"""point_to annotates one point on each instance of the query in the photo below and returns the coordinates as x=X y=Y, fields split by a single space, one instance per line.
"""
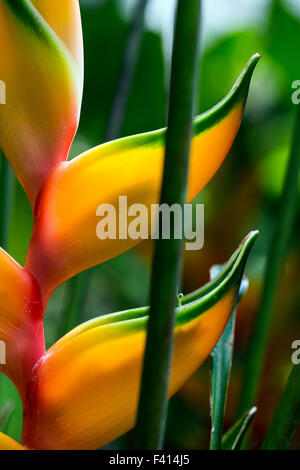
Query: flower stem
x=286 y=418
x=281 y=236
x=167 y=261
x=6 y=200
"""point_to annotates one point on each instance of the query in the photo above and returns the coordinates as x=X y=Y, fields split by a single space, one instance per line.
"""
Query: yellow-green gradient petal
x=64 y=240
x=84 y=391
x=7 y=443
x=20 y=322
x=64 y=18
x=43 y=94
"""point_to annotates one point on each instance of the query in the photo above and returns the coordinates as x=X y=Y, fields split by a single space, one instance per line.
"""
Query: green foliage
x=5 y=414
x=146 y=108
x=286 y=418
x=242 y=195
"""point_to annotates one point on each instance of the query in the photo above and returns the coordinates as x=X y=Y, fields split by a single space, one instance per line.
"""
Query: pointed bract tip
x=248 y=241
x=243 y=81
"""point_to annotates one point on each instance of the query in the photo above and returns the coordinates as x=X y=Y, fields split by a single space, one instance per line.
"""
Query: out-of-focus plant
x=82 y=393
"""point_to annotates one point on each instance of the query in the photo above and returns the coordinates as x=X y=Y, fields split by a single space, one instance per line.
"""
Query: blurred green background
x=241 y=197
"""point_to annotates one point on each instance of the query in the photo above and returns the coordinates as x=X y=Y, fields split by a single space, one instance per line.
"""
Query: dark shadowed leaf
x=221 y=368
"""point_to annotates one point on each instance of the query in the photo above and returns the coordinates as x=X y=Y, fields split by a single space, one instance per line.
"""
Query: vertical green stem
x=6 y=200
x=286 y=418
x=167 y=259
x=281 y=236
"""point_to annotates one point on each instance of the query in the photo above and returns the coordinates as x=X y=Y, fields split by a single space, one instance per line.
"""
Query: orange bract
x=98 y=366
x=64 y=240
x=40 y=117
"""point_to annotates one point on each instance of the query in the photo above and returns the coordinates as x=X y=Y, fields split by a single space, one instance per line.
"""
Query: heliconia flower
x=64 y=239
x=42 y=67
x=82 y=393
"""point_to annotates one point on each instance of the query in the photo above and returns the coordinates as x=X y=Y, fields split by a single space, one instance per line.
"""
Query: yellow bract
x=64 y=19
x=64 y=240
x=43 y=91
x=85 y=388
x=6 y=443
x=98 y=373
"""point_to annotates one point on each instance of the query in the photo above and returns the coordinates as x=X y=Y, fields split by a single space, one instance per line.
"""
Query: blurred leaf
x=105 y=32
x=274 y=164
x=283 y=39
x=222 y=62
x=221 y=367
x=286 y=418
x=5 y=414
x=148 y=99
x=286 y=214
x=102 y=27
x=9 y=393
x=233 y=438
x=7 y=191
x=21 y=226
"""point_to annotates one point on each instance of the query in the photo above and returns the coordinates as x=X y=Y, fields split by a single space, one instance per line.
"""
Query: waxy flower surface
x=82 y=393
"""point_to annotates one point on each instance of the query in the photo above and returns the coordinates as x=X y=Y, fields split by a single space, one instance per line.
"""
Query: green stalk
x=167 y=261
x=281 y=237
x=77 y=292
x=286 y=419
x=6 y=200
